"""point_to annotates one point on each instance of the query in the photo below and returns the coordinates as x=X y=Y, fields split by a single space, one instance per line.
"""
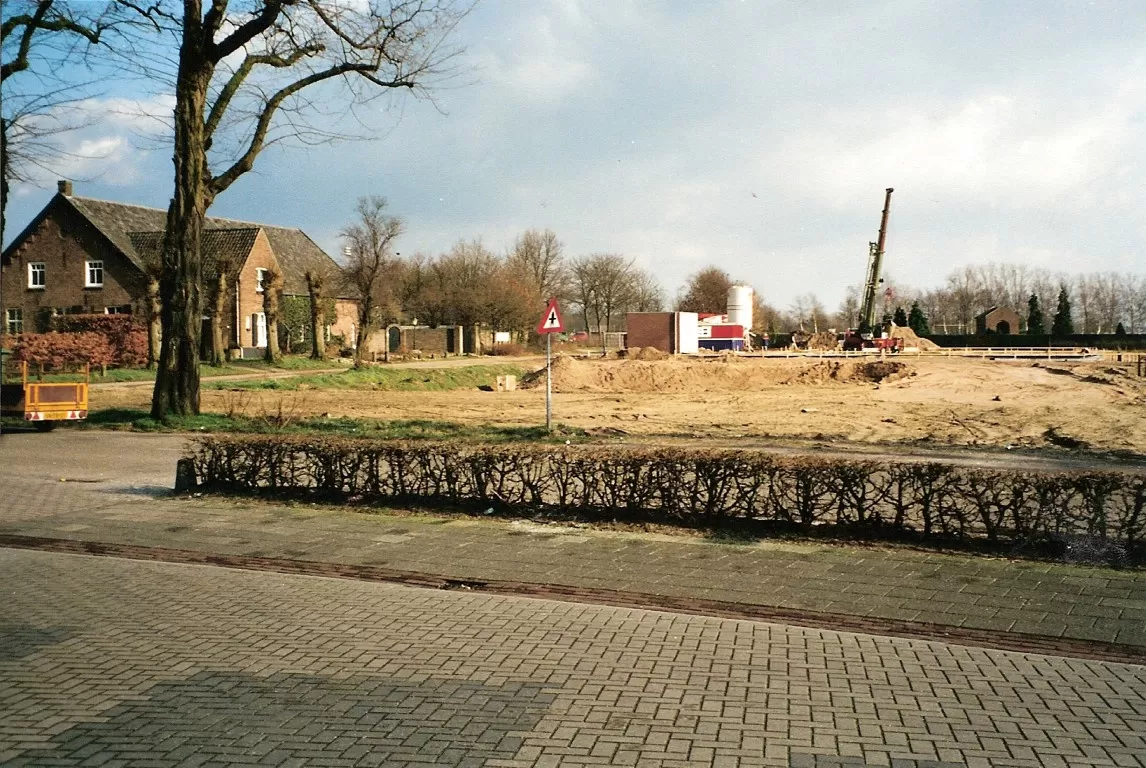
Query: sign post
x=550 y=324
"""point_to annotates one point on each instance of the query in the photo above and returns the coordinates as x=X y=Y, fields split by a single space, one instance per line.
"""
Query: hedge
x=61 y=351
x=126 y=335
x=696 y=487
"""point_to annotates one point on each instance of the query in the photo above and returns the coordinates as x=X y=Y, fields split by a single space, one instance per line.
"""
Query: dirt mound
x=878 y=371
x=823 y=341
x=911 y=339
x=648 y=353
x=570 y=374
x=846 y=371
x=697 y=376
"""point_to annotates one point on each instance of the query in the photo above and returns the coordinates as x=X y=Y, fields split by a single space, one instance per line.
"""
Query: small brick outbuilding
x=998 y=320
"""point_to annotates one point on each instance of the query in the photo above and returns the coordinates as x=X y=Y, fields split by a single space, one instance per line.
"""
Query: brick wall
x=65 y=242
x=346 y=320
x=650 y=329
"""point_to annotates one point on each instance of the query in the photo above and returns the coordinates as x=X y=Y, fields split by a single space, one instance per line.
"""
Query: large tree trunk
x=317 y=338
x=177 y=379
x=219 y=313
x=272 y=285
x=3 y=178
x=154 y=322
x=365 y=310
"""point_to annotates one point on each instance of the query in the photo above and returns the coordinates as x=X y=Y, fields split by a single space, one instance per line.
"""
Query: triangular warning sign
x=551 y=321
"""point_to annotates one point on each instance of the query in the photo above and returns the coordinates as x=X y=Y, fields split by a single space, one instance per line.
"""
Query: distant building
x=672 y=332
x=81 y=255
x=997 y=320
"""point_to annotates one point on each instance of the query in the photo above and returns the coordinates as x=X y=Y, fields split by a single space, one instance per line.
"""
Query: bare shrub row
x=694 y=487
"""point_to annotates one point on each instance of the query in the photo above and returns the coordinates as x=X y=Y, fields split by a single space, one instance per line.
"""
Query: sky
x=754 y=135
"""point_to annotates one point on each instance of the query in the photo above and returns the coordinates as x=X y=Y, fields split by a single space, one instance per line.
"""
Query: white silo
x=740 y=306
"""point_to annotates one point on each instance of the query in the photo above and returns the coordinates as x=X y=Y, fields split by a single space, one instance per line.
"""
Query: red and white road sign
x=551 y=321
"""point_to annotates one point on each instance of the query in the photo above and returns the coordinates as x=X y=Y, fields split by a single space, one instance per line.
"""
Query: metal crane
x=874 y=267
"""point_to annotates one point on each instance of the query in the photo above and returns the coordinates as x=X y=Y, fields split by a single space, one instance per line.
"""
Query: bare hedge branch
x=871 y=499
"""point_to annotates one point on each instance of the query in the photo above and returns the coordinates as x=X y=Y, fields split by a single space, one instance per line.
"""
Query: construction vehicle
x=866 y=335
x=44 y=404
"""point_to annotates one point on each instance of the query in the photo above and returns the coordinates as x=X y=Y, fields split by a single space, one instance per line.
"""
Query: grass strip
x=139 y=420
x=384 y=379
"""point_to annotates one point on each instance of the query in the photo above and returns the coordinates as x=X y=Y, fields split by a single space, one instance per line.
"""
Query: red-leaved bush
x=57 y=351
x=125 y=335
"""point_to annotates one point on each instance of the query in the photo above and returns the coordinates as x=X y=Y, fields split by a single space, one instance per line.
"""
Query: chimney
x=64 y=187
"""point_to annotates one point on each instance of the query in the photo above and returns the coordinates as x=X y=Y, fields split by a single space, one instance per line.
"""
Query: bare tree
x=42 y=42
x=647 y=293
x=807 y=308
x=315 y=281
x=220 y=314
x=537 y=259
x=603 y=286
x=272 y=302
x=244 y=80
x=371 y=264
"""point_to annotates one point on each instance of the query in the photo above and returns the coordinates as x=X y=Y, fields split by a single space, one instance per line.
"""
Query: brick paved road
x=113 y=480
x=116 y=662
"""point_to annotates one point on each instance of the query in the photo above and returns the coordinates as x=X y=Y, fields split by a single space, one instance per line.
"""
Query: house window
x=94 y=275
x=122 y=309
x=260 y=279
x=15 y=321
x=37 y=274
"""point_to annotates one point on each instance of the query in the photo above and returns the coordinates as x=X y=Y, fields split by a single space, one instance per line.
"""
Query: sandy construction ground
x=939 y=401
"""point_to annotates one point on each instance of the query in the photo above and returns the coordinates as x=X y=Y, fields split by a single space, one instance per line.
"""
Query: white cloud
x=540 y=55
x=996 y=148
x=151 y=117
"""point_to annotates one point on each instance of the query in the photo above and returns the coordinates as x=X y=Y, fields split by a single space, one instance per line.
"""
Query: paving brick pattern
x=977 y=593
x=132 y=471
x=158 y=664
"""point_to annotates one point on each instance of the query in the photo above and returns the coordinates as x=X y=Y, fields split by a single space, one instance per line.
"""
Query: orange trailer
x=44 y=404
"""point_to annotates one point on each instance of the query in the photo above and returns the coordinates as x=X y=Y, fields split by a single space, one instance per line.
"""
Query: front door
x=259 y=327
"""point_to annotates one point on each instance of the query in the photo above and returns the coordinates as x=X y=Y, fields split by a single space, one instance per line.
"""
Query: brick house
x=81 y=255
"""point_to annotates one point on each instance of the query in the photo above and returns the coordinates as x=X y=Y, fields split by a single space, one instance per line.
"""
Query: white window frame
x=121 y=309
x=40 y=267
x=260 y=279
x=14 y=316
x=89 y=267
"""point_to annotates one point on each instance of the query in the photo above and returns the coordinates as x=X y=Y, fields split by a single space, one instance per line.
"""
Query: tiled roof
x=230 y=246
x=295 y=251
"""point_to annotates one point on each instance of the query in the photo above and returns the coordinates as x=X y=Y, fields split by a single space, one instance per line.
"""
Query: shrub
x=126 y=337
x=57 y=351
x=697 y=487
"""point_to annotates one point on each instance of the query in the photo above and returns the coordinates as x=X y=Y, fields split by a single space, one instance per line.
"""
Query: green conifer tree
x=1036 y=325
x=1063 y=325
x=900 y=317
x=917 y=321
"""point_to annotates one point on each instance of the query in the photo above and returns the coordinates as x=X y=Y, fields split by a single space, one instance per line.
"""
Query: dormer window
x=94 y=275
x=37 y=274
x=260 y=279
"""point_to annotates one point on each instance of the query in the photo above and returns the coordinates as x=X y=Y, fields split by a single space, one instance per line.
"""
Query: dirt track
x=939 y=401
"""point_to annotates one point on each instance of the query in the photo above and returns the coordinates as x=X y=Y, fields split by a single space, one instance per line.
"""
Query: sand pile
x=649 y=353
x=848 y=372
x=716 y=375
x=910 y=339
x=823 y=341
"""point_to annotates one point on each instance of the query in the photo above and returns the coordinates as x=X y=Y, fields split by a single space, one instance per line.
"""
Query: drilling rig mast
x=874 y=268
